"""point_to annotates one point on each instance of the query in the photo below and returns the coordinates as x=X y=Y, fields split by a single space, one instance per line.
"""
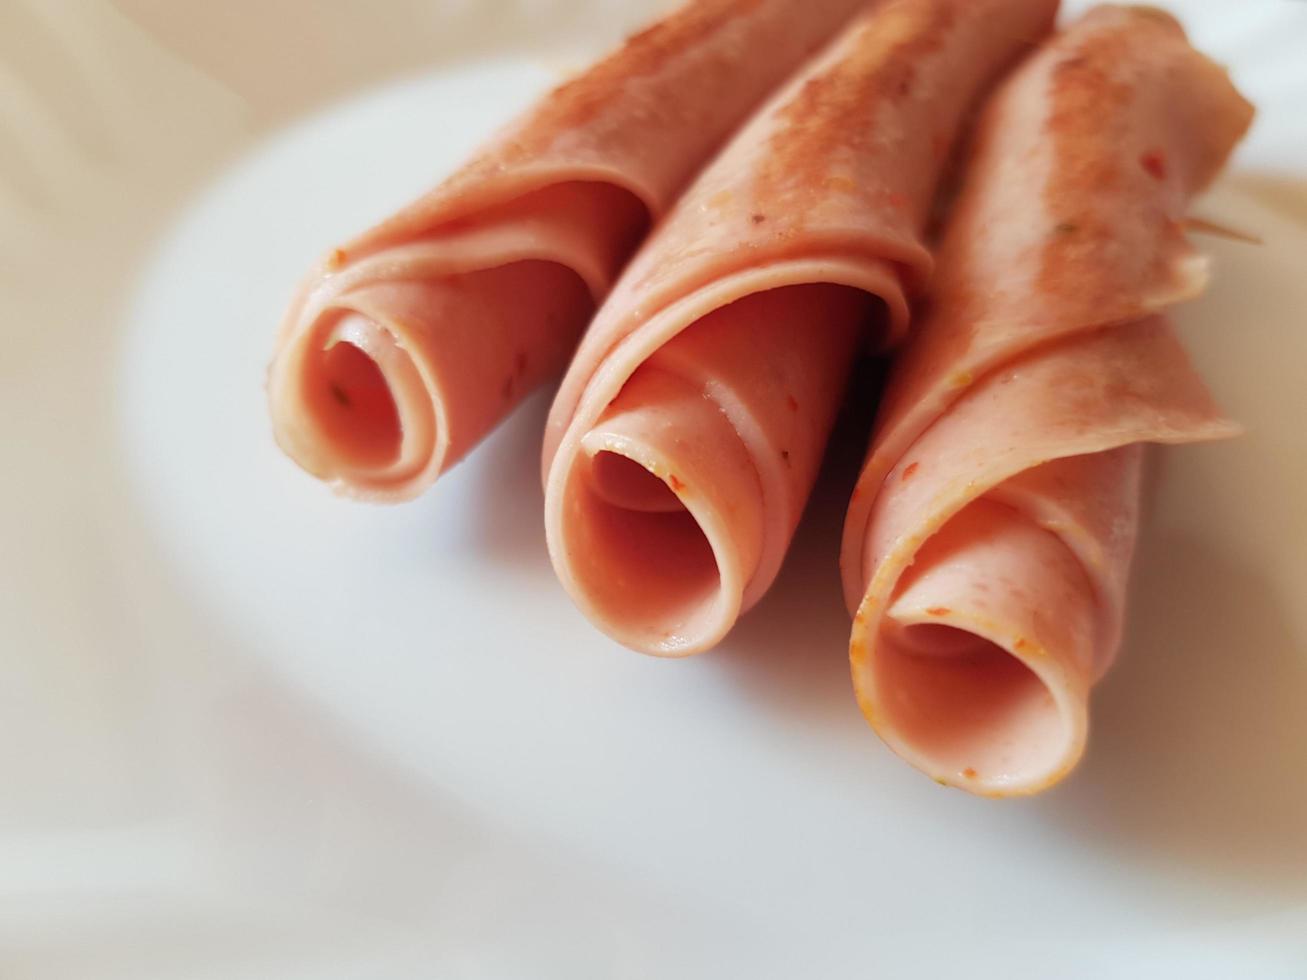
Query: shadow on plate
x=506 y=517
x=1199 y=748
x=790 y=653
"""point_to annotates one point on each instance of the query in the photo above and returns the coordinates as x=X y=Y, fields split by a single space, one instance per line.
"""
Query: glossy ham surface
x=407 y=345
x=988 y=542
x=684 y=441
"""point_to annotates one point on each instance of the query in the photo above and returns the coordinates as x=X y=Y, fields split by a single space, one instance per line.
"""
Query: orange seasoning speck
x=675 y=482
x=938 y=611
x=1022 y=643
x=336 y=259
x=969 y=772
x=1154 y=163
x=910 y=471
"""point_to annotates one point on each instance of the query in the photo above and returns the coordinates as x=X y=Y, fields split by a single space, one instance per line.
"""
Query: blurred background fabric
x=168 y=808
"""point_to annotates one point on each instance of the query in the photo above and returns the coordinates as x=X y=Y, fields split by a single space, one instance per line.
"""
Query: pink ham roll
x=988 y=542
x=406 y=346
x=683 y=444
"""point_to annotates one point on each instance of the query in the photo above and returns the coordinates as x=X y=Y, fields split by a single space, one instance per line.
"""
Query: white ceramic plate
x=728 y=815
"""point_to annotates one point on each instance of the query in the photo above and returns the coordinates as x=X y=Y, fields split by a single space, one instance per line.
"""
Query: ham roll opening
x=668 y=504
x=988 y=542
x=686 y=437
x=406 y=346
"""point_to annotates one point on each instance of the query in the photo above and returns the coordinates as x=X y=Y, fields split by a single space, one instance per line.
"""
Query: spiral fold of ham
x=988 y=542
x=684 y=442
x=406 y=346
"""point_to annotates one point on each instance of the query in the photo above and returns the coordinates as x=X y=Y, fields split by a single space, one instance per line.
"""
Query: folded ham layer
x=409 y=344
x=988 y=541
x=684 y=441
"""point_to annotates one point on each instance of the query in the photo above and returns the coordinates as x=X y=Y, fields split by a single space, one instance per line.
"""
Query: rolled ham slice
x=988 y=543
x=684 y=441
x=406 y=346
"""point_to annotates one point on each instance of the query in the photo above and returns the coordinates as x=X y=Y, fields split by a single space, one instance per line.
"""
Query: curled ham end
x=987 y=547
x=976 y=680
x=660 y=524
x=661 y=545
x=396 y=379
